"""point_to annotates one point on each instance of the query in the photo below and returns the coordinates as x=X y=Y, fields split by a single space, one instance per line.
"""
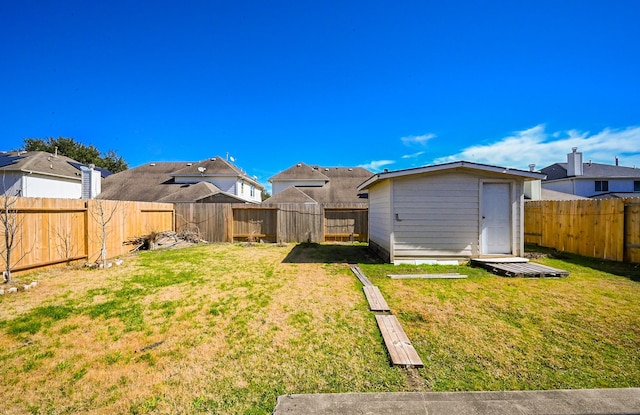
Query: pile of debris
x=165 y=239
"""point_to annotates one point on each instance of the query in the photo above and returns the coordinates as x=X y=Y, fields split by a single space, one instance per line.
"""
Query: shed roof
x=463 y=165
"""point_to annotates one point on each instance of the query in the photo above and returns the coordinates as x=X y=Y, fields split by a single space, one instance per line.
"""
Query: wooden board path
x=525 y=269
x=375 y=299
x=400 y=349
x=363 y=278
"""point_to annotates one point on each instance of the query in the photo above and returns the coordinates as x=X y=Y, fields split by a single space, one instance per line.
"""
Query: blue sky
x=380 y=84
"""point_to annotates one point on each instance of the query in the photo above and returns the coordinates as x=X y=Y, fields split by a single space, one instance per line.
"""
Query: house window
x=636 y=186
x=241 y=188
x=253 y=191
x=602 y=185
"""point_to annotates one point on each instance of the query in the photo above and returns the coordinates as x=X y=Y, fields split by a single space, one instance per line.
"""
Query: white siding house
x=448 y=212
x=40 y=174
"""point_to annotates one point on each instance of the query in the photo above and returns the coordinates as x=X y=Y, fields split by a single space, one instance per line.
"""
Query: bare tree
x=10 y=229
x=103 y=214
x=65 y=246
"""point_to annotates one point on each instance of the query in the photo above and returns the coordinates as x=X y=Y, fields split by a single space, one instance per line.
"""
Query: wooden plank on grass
x=454 y=275
x=375 y=299
x=363 y=278
x=398 y=345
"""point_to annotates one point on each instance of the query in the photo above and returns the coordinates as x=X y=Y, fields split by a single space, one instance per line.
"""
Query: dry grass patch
x=210 y=329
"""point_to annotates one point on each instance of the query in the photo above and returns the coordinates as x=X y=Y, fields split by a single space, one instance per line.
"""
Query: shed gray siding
x=380 y=218
x=436 y=215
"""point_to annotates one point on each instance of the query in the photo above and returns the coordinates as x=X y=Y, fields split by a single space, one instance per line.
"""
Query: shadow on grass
x=306 y=253
x=622 y=269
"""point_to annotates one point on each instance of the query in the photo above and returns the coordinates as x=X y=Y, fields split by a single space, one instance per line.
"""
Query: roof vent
x=532 y=167
x=326 y=169
x=189 y=164
x=299 y=165
x=385 y=171
x=350 y=169
x=152 y=164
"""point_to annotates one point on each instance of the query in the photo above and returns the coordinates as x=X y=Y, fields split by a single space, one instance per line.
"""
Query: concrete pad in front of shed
x=505 y=260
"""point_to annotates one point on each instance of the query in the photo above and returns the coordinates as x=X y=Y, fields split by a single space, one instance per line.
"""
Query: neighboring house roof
x=214 y=167
x=300 y=171
x=547 y=194
x=290 y=195
x=42 y=163
x=558 y=171
x=463 y=165
x=616 y=195
x=155 y=182
x=146 y=183
x=198 y=192
x=340 y=184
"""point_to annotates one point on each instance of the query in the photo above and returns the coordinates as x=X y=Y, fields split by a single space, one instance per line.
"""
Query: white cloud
x=376 y=165
x=414 y=155
x=542 y=148
x=417 y=139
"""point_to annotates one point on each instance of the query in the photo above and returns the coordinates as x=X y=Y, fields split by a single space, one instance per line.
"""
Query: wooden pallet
x=375 y=299
x=524 y=269
x=400 y=349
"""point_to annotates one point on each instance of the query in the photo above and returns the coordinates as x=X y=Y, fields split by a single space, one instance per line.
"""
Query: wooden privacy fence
x=223 y=222
x=607 y=229
x=54 y=231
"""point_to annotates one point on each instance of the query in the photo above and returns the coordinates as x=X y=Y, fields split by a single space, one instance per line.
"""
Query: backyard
x=226 y=328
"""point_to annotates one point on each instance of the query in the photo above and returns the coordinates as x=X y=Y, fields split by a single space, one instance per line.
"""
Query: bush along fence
x=47 y=232
x=606 y=229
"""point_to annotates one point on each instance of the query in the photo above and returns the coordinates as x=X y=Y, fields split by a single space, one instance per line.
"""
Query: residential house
x=448 y=212
x=214 y=180
x=41 y=174
x=593 y=180
x=331 y=187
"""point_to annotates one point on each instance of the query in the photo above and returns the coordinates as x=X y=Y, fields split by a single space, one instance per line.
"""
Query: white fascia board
x=526 y=175
x=61 y=176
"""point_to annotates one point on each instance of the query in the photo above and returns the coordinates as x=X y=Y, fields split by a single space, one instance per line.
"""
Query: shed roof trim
x=527 y=175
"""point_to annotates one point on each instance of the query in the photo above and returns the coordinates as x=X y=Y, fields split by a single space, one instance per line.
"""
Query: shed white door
x=496 y=218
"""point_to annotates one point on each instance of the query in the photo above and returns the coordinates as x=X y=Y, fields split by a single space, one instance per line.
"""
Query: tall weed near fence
x=55 y=231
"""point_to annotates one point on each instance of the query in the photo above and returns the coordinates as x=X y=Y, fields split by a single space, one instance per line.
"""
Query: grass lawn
x=226 y=328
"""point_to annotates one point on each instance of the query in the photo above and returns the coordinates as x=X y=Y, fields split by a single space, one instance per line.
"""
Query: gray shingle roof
x=147 y=183
x=558 y=171
x=40 y=162
x=155 y=182
x=300 y=171
x=341 y=183
x=215 y=166
x=289 y=195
